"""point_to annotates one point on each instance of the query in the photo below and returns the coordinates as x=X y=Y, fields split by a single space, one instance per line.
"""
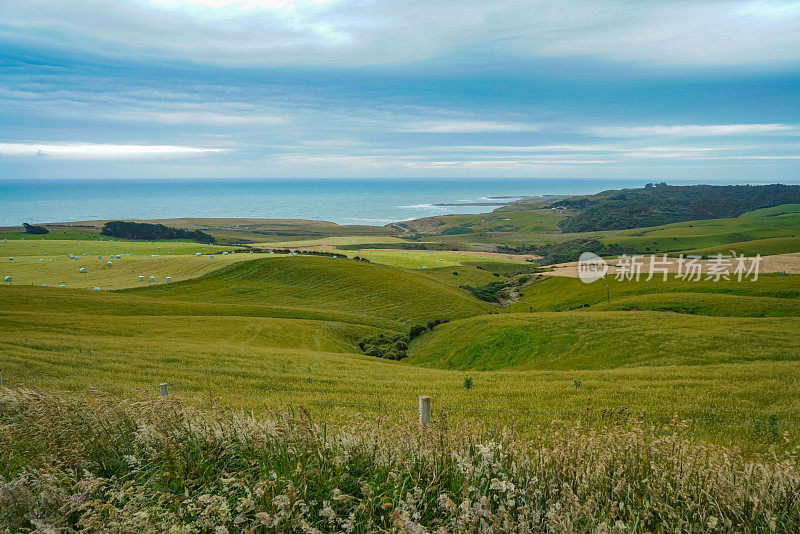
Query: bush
x=35 y=229
x=395 y=347
x=153 y=232
x=487 y=293
x=467 y=382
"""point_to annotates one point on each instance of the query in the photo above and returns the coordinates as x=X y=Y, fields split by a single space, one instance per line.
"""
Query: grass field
x=672 y=408
x=604 y=340
x=331 y=241
x=561 y=293
x=156 y=466
x=124 y=272
x=48 y=262
x=714 y=234
x=424 y=259
x=321 y=283
x=284 y=330
x=524 y=221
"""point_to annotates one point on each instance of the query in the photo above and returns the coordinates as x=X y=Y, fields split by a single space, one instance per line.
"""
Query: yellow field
x=424 y=259
x=40 y=262
x=331 y=241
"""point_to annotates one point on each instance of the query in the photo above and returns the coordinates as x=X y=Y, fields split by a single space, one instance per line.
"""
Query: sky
x=122 y=89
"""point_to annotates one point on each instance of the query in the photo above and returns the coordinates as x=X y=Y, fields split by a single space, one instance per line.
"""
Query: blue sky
x=340 y=88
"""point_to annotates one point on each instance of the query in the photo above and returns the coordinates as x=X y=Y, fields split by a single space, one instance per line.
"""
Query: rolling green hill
x=778 y=222
x=560 y=293
x=664 y=204
x=774 y=230
x=604 y=340
x=319 y=283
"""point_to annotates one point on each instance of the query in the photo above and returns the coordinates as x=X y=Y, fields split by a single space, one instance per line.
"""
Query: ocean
x=362 y=201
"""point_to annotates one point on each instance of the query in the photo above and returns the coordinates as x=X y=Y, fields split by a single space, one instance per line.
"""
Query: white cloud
x=467 y=127
x=103 y=151
x=353 y=32
x=202 y=117
x=687 y=130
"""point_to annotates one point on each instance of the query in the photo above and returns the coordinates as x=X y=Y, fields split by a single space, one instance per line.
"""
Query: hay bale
x=83 y=269
x=108 y=263
x=7 y=278
x=152 y=278
x=141 y=278
x=169 y=279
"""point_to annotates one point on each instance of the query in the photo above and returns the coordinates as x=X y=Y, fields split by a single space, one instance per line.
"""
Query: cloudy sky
x=374 y=88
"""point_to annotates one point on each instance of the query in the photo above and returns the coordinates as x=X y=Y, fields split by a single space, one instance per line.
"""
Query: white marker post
x=164 y=389
x=424 y=411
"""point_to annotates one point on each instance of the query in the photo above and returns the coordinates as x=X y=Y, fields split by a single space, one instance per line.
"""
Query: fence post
x=1 y=378
x=424 y=410
x=164 y=389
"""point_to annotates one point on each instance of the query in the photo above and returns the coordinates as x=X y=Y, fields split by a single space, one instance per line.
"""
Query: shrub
x=467 y=382
x=147 y=231
x=35 y=229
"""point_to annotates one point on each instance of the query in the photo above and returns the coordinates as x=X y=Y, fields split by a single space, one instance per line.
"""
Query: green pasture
x=100 y=341
x=604 y=340
x=31 y=266
x=425 y=259
x=321 y=283
x=37 y=247
x=561 y=293
x=331 y=241
x=778 y=222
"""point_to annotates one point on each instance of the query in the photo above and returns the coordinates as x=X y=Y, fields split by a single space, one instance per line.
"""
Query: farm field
x=562 y=293
x=301 y=348
x=47 y=262
x=285 y=331
x=234 y=230
x=424 y=259
x=330 y=241
x=778 y=227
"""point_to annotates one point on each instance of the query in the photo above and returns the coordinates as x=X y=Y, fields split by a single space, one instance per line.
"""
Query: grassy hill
x=771 y=294
x=664 y=204
x=770 y=231
x=321 y=283
x=604 y=340
x=522 y=221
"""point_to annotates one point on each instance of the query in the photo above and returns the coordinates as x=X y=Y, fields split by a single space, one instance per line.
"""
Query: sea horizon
x=353 y=201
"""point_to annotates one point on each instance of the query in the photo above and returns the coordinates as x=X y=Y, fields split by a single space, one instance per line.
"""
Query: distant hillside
x=659 y=204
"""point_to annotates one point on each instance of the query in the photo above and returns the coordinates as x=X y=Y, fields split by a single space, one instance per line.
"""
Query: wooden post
x=164 y=389
x=424 y=410
x=1 y=379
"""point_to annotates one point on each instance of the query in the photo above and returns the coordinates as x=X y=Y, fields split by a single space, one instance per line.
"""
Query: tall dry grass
x=108 y=466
